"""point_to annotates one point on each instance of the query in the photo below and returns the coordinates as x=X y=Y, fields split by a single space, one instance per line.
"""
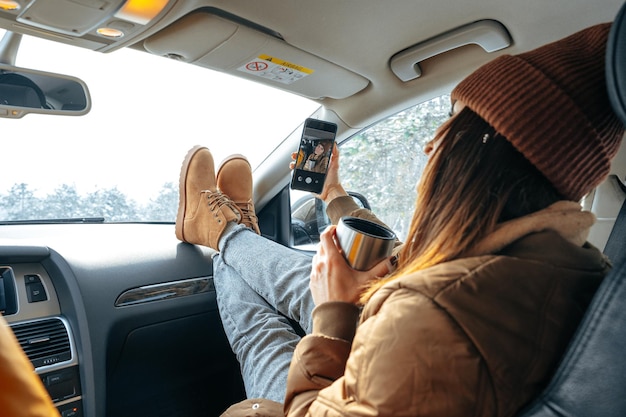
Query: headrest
x=17 y=95
x=616 y=64
x=19 y=90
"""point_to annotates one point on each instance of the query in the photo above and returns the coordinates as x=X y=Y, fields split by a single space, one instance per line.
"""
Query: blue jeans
x=259 y=284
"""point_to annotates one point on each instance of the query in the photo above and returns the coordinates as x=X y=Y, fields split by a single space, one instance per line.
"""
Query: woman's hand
x=332 y=187
x=332 y=279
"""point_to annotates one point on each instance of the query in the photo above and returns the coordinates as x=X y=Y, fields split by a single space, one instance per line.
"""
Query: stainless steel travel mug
x=363 y=242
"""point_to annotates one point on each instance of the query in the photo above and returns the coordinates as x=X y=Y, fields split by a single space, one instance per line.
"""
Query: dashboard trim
x=165 y=291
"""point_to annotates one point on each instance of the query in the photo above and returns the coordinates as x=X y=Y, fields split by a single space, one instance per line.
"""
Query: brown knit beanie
x=552 y=104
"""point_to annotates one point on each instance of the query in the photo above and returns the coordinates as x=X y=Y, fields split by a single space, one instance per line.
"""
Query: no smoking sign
x=275 y=69
x=256 y=66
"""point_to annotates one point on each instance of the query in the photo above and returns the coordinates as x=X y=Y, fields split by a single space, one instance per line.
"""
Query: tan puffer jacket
x=477 y=336
x=22 y=394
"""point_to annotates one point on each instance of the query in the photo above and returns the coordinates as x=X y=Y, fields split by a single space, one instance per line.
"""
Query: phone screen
x=314 y=152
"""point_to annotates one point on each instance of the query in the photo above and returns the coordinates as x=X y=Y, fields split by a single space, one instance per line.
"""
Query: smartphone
x=314 y=152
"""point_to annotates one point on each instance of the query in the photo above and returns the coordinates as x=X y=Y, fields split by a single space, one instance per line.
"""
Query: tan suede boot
x=203 y=211
x=234 y=178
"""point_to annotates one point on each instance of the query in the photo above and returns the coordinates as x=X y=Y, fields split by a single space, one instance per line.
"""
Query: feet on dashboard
x=203 y=210
x=234 y=178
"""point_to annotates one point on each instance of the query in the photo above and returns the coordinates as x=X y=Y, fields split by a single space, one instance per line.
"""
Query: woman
x=489 y=287
x=318 y=160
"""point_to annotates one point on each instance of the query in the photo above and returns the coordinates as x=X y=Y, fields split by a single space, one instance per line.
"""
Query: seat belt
x=616 y=244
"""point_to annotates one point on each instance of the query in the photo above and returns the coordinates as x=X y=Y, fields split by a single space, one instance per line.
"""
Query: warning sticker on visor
x=275 y=69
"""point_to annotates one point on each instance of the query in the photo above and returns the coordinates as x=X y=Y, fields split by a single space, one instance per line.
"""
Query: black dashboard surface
x=162 y=351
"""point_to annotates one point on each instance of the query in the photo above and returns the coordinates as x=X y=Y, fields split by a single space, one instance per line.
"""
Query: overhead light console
x=93 y=24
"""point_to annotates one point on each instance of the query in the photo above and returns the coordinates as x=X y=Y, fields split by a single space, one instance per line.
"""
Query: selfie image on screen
x=314 y=153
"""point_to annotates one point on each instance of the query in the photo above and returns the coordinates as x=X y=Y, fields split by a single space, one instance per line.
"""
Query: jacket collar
x=566 y=218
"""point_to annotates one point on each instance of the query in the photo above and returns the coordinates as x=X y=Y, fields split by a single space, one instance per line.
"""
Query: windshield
x=121 y=161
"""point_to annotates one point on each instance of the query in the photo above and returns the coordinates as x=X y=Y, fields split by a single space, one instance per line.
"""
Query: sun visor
x=217 y=43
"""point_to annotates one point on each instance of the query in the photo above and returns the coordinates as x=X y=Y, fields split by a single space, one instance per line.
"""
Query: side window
x=383 y=163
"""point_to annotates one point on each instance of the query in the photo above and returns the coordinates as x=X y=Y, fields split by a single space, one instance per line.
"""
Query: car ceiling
x=359 y=38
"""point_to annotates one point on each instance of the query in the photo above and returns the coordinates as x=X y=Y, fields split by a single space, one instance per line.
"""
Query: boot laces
x=216 y=200
x=247 y=213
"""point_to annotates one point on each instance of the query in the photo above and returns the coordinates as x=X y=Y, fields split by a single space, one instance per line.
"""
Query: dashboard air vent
x=45 y=342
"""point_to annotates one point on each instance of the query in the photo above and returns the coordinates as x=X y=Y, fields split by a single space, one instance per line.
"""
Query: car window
x=383 y=163
x=121 y=161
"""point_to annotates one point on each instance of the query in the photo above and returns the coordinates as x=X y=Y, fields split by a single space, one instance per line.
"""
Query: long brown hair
x=473 y=180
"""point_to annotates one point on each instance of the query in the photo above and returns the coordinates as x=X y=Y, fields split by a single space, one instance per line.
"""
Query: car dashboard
x=118 y=319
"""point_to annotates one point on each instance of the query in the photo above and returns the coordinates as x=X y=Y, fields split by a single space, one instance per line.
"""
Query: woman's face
x=439 y=134
x=319 y=149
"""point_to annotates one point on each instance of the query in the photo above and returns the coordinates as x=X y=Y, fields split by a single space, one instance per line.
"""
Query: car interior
x=119 y=318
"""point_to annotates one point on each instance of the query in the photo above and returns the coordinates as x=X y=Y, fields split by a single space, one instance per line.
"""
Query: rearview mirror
x=24 y=91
